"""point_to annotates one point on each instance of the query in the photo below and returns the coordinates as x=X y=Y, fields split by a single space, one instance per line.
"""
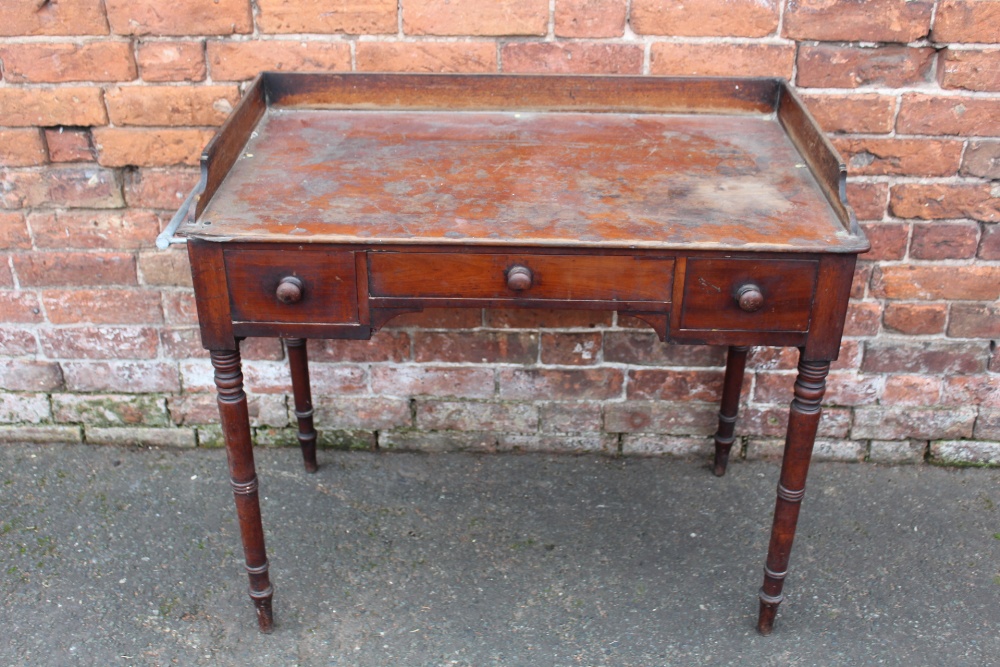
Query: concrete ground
x=116 y=556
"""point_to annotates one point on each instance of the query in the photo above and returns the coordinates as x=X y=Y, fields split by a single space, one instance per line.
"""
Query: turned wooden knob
x=289 y=290
x=519 y=278
x=749 y=297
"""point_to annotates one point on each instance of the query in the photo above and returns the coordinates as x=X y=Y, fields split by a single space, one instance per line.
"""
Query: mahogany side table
x=712 y=209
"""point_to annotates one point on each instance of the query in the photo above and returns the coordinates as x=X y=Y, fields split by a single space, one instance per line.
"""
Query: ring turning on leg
x=736 y=361
x=298 y=362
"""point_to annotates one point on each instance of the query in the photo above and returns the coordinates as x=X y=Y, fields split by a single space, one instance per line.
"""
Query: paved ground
x=126 y=557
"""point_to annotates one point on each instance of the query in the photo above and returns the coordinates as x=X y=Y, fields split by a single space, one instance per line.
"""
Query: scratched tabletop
x=529 y=178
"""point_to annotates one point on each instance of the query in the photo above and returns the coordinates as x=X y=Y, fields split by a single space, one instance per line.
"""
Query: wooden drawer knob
x=519 y=278
x=750 y=298
x=289 y=290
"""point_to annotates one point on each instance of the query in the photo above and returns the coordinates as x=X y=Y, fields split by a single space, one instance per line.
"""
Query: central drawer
x=512 y=276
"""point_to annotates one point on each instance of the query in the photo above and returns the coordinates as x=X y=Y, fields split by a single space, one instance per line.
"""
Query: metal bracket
x=166 y=237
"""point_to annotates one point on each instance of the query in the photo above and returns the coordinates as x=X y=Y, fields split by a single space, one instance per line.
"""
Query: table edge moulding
x=713 y=209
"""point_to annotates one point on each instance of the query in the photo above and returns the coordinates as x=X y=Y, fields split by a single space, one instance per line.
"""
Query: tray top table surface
x=631 y=180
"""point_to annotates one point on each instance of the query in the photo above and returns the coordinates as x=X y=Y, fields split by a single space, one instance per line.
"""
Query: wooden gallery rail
x=712 y=209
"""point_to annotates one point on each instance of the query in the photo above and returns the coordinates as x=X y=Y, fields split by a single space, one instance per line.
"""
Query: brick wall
x=106 y=104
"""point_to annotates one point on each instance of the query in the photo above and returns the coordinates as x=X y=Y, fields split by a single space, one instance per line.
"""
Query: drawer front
x=325 y=280
x=777 y=294
x=551 y=277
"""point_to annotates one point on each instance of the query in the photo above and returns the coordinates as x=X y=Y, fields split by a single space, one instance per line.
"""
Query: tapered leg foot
x=243 y=479
x=298 y=362
x=736 y=361
x=803 y=419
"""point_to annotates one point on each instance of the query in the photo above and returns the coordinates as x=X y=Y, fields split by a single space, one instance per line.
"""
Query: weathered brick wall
x=106 y=104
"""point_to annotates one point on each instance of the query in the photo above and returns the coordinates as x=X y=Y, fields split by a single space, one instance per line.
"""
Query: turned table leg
x=298 y=362
x=803 y=419
x=239 y=451
x=736 y=361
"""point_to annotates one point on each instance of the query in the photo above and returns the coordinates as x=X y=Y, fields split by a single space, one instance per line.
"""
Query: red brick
x=72 y=187
x=76 y=17
x=473 y=17
x=121 y=376
x=570 y=417
x=722 y=59
x=717 y=18
x=271 y=377
x=994 y=364
x=179 y=308
x=888 y=240
x=683 y=418
x=572 y=57
x=121 y=147
x=439 y=318
x=675 y=385
x=24 y=375
x=476 y=347
x=948 y=114
x=989 y=243
x=317 y=16
x=13 y=231
x=75 y=268
x=915 y=319
x=159 y=188
x=237 y=61
x=436 y=381
x=898 y=423
x=99 y=343
x=166 y=268
x=773 y=421
x=590 y=18
x=901 y=157
x=970 y=70
x=911 y=390
x=94 y=229
x=966 y=283
x=571 y=349
x=967 y=21
x=19 y=306
x=182 y=343
x=971 y=390
x=383 y=346
x=950 y=240
x=16 y=342
x=63 y=62
x=52 y=106
x=6 y=277
x=941 y=201
x=852 y=21
x=964 y=451
x=845 y=389
x=987 y=425
x=477 y=416
x=369 y=412
x=869 y=113
x=534 y=318
x=103 y=306
x=170 y=105
x=924 y=358
x=462 y=56
x=862 y=276
x=863 y=319
x=171 y=61
x=982 y=159
x=204 y=409
x=644 y=348
x=109 y=410
x=829 y=66
x=534 y=383
x=69 y=145
x=21 y=148
x=180 y=17
x=974 y=321
x=868 y=200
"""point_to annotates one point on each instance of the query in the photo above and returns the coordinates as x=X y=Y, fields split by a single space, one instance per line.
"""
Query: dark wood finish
x=326 y=279
x=243 y=478
x=485 y=276
x=732 y=385
x=298 y=363
x=712 y=209
x=712 y=294
x=803 y=419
